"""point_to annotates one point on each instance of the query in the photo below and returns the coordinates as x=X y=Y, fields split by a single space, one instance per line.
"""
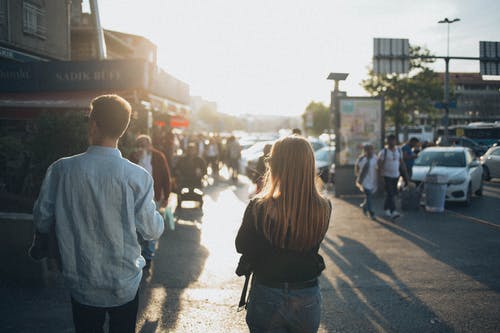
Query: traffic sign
x=391 y=55
x=489 y=57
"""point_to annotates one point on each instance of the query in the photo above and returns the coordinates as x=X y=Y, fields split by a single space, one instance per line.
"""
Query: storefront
x=29 y=89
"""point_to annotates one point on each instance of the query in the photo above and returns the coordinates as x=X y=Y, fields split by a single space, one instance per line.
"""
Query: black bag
x=244 y=268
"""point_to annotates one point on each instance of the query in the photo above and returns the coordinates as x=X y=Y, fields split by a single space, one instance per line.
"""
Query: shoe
x=373 y=216
x=148 y=265
x=363 y=207
x=395 y=214
x=388 y=213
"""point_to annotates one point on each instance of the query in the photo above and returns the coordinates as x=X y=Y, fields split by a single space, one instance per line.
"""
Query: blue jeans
x=148 y=249
x=391 y=190
x=367 y=204
x=276 y=310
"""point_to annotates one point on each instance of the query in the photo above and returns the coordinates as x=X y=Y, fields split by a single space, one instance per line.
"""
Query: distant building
x=34 y=30
x=476 y=99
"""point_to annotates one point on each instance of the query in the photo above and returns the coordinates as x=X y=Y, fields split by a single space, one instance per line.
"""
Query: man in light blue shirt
x=98 y=201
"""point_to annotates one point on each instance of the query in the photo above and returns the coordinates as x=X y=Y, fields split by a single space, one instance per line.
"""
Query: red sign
x=179 y=122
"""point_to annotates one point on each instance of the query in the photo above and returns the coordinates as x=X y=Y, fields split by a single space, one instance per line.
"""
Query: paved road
x=424 y=273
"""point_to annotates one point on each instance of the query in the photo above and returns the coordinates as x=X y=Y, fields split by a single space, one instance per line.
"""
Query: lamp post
x=335 y=116
x=447 y=78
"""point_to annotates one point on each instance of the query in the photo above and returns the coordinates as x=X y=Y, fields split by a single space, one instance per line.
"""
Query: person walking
x=261 y=167
x=155 y=162
x=212 y=157
x=366 y=171
x=391 y=167
x=279 y=239
x=410 y=153
x=234 y=155
x=97 y=202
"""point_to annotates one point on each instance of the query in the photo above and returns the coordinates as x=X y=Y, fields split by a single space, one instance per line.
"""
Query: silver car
x=491 y=163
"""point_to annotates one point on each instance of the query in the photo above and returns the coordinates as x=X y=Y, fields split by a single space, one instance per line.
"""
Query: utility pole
x=447 y=80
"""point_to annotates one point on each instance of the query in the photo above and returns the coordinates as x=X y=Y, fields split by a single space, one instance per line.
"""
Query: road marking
x=474 y=219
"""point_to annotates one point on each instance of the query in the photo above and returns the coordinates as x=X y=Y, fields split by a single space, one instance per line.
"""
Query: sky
x=273 y=56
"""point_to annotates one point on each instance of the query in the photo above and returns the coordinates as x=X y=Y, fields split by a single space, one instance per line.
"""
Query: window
x=3 y=12
x=33 y=20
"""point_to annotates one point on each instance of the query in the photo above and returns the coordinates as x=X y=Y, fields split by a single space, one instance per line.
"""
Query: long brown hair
x=296 y=216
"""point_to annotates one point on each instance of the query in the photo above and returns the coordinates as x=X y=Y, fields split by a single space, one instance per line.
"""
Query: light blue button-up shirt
x=99 y=201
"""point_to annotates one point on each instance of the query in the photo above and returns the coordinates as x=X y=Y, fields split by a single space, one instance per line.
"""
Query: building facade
x=475 y=99
x=34 y=30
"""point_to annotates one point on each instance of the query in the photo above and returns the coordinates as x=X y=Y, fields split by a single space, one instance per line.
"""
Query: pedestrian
x=190 y=168
x=261 y=167
x=234 y=155
x=367 y=180
x=391 y=167
x=279 y=239
x=155 y=162
x=212 y=157
x=410 y=153
x=98 y=201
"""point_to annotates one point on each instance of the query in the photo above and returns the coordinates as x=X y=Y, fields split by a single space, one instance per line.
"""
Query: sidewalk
x=423 y=273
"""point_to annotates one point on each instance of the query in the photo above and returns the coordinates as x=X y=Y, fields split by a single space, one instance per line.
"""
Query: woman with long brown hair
x=279 y=240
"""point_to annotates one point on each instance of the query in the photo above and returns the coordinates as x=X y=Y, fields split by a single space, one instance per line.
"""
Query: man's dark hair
x=296 y=131
x=414 y=139
x=111 y=114
x=391 y=137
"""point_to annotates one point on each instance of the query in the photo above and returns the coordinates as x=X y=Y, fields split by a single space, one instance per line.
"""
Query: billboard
x=391 y=55
x=489 y=56
x=361 y=122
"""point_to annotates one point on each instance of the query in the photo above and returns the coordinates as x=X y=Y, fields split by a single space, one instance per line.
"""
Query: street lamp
x=335 y=112
x=447 y=79
x=448 y=21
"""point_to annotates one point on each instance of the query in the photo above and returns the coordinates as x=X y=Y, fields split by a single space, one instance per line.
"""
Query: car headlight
x=457 y=181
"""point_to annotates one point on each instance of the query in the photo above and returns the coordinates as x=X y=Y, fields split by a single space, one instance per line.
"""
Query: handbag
x=168 y=218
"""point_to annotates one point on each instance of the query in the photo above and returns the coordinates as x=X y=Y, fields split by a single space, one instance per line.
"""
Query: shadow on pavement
x=468 y=247
x=178 y=262
x=368 y=295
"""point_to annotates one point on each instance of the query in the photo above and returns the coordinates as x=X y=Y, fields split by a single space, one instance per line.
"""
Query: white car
x=491 y=163
x=250 y=156
x=463 y=170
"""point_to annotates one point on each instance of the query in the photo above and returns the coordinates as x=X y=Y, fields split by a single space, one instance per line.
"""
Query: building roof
x=468 y=78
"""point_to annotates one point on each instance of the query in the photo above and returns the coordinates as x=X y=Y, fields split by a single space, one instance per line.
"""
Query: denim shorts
x=281 y=310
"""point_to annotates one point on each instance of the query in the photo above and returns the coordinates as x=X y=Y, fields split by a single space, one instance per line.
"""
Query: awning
x=28 y=105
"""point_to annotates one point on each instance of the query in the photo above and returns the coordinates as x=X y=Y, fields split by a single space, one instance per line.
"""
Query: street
x=423 y=273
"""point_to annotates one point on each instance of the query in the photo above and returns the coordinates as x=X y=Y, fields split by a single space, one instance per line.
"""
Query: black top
x=272 y=264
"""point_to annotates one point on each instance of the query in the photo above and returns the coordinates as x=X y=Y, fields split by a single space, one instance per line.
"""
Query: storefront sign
x=74 y=76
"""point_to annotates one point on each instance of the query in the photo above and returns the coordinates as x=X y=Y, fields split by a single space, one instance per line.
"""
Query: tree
x=407 y=94
x=321 y=117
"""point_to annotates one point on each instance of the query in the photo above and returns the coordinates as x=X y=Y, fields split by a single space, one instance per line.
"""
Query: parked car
x=325 y=158
x=250 y=156
x=463 y=141
x=465 y=174
x=491 y=163
x=316 y=144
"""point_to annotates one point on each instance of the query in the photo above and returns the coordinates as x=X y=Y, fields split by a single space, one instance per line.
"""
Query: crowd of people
x=102 y=210
x=384 y=170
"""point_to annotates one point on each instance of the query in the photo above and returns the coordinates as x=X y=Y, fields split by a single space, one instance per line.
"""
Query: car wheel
x=486 y=173
x=479 y=191
x=468 y=197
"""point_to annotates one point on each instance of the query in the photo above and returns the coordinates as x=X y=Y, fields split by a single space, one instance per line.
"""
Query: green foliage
x=406 y=95
x=13 y=161
x=321 y=117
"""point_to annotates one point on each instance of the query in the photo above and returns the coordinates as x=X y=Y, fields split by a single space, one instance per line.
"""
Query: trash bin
x=435 y=192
